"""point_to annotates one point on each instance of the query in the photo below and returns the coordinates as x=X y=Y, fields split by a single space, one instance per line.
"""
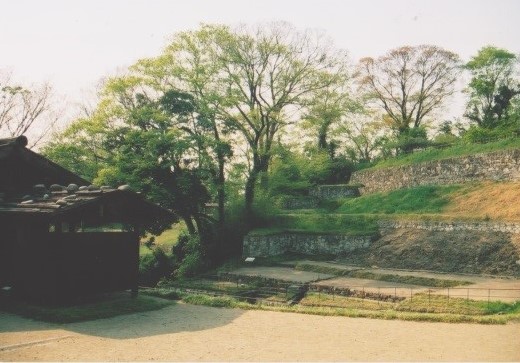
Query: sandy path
x=196 y=333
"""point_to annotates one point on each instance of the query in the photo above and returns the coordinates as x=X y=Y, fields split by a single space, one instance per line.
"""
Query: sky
x=73 y=44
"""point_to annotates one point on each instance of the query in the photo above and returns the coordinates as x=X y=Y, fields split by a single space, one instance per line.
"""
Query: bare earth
x=196 y=333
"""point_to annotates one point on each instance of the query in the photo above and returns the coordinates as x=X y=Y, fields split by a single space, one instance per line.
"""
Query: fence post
x=448 y=296
x=429 y=297
x=411 y=294
x=489 y=295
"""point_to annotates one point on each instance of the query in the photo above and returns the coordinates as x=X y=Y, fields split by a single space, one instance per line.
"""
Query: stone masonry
x=272 y=245
x=483 y=226
x=334 y=191
x=501 y=165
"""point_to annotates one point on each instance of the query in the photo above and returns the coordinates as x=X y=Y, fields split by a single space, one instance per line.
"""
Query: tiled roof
x=57 y=199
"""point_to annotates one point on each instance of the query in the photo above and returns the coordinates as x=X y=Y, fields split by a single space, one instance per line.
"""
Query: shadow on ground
x=171 y=319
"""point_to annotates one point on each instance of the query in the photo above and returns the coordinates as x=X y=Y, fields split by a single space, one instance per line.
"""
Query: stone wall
x=272 y=245
x=500 y=165
x=300 y=203
x=334 y=191
x=508 y=227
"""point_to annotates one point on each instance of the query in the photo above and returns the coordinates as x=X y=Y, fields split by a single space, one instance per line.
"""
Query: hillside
x=478 y=200
x=468 y=226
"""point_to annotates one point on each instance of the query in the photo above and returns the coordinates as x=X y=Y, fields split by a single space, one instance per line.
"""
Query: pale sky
x=74 y=43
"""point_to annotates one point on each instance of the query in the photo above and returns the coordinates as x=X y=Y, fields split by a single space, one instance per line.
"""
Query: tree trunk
x=221 y=192
x=260 y=165
x=189 y=224
x=250 y=195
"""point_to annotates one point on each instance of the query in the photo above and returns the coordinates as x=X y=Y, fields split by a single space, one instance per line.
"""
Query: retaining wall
x=501 y=165
x=334 y=191
x=272 y=245
x=508 y=227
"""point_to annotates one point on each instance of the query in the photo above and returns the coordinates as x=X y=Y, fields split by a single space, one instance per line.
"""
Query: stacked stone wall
x=501 y=165
x=278 y=244
x=444 y=226
x=334 y=191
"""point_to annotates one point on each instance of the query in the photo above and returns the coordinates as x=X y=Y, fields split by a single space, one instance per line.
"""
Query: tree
x=140 y=138
x=325 y=110
x=492 y=87
x=410 y=83
x=365 y=136
x=188 y=64
x=268 y=75
x=23 y=109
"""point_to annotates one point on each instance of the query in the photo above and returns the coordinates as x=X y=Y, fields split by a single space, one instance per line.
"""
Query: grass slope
x=319 y=224
x=422 y=199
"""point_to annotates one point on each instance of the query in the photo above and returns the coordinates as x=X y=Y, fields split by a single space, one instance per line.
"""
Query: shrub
x=154 y=266
x=189 y=252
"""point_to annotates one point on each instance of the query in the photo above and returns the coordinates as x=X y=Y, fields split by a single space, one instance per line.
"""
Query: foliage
x=190 y=252
x=327 y=110
x=367 y=136
x=256 y=75
x=294 y=174
x=154 y=266
x=411 y=139
x=493 y=86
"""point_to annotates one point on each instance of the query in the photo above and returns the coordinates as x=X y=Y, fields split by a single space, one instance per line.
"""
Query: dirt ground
x=196 y=333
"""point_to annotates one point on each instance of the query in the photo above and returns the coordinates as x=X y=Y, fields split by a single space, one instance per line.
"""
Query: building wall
x=501 y=165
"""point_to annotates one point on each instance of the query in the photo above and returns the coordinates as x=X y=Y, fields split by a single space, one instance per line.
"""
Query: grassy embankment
x=478 y=200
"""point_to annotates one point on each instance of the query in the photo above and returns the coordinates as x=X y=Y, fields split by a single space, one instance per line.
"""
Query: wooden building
x=61 y=237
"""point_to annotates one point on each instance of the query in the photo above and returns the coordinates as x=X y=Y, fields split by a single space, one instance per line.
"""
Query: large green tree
x=248 y=83
x=145 y=139
x=268 y=75
x=494 y=84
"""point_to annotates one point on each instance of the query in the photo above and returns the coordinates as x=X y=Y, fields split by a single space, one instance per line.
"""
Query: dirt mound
x=461 y=251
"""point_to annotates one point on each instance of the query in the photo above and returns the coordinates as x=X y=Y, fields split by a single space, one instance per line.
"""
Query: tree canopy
x=492 y=87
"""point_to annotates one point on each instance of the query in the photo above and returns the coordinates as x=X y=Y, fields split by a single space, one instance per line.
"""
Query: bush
x=154 y=266
x=411 y=139
x=294 y=174
x=189 y=252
